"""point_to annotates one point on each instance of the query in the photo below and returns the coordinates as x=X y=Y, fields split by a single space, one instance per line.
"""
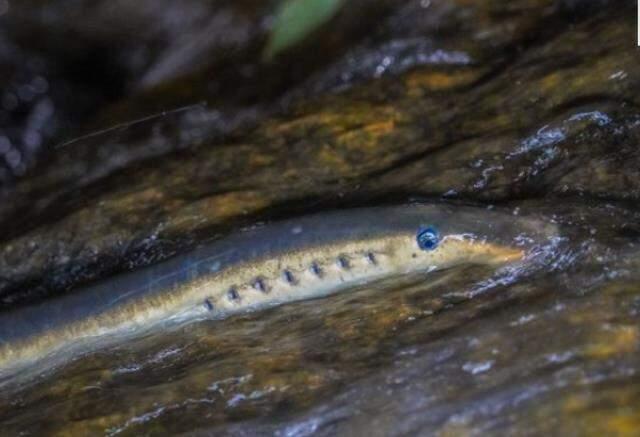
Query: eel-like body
x=280 y=262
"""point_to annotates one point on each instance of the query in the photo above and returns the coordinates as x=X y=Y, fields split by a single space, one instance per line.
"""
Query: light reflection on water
x=466 y=350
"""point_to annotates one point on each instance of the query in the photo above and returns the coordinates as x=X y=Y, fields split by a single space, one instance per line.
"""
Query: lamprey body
x=280 y=262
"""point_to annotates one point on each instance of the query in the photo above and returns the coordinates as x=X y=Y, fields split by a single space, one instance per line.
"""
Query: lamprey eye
x=427 y=238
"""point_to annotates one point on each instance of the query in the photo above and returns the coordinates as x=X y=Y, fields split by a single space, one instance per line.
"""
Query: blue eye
x=427 y=238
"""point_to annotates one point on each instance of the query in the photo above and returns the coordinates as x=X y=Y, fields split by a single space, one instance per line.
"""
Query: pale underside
x=294 y=275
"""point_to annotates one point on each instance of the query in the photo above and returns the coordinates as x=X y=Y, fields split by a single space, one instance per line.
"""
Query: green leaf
x=295 y=20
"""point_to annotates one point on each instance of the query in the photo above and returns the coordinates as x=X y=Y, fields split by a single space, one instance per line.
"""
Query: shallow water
x=248 y=367
x=465 y=351
x=527 y=105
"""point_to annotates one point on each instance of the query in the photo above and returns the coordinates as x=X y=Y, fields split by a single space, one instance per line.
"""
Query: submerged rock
x=530 y=105
x=531 y=110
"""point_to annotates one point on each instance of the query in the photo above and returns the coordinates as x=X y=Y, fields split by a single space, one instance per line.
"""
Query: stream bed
x=124 y=143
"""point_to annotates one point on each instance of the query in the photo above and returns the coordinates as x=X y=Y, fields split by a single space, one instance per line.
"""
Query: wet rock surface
x=544 y=113
x=530 y=106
